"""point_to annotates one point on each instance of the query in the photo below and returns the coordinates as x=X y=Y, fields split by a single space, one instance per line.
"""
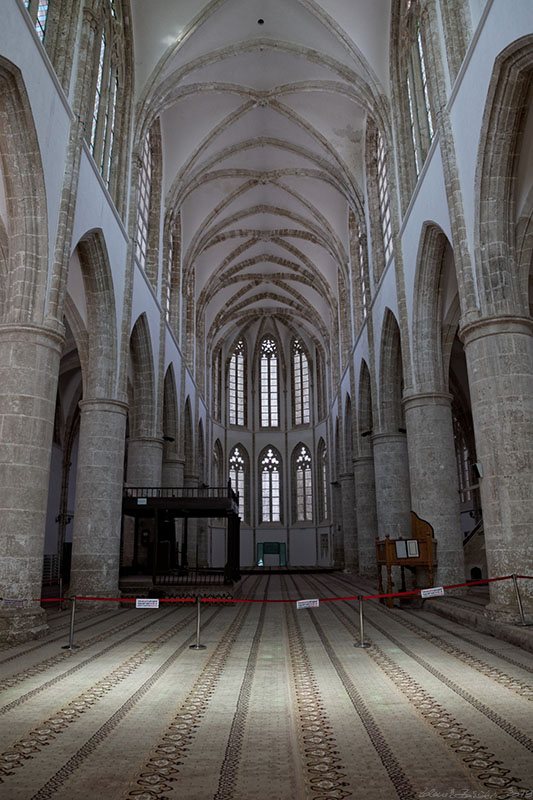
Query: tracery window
x=301 y=384
x=270 y=465
x=269 y=383
x=143 y=212
x=237 y=372
x=106 y=92
x=238 y=477
x=38 y=10
x=384 y=198
x=304 y=485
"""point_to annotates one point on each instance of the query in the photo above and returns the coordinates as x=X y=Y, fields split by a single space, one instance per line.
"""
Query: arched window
x=106 y=93
x=216 y=385
x=39 y=12
x=323 y=504
x=143 y=212
x=238 y=462
x=270 y=466
x=269 y=383
x=236 y=383
x=422 y=129
x=384 y=198
x=301 y=385
x=303 y=483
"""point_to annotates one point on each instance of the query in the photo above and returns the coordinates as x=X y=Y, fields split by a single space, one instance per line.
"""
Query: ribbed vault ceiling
x=263 y=130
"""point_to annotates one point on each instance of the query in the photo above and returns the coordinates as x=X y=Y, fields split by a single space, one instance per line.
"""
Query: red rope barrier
x=49 y=599
x=253 y=600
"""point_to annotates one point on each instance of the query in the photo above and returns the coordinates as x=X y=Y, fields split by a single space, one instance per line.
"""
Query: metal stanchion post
x=71 y=645
x=60 y=594
x=197 y=646
x=519 y=601
x=361 y=642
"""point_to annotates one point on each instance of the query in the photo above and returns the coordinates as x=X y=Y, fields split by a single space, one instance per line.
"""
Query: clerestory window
x=418 y=96
x=269 y=383
x=143 y=211
x=301 y=385
x=103 y=115
x=384 y=198
x=237 y=374
x=38 y=10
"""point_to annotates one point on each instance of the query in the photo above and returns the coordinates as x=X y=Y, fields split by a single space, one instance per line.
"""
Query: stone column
x=499 y=353
x=145 y=454
x=367 y=524
x=338 y=537
x=29 y=368
x=194 y=545
x=98 y=506
x=433 y=477
x=172 y=472
x=393 y=496
x=349 y=522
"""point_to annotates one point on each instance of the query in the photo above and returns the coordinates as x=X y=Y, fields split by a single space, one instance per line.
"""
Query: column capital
x=153 y=440
x=383 y=438
x=495 y=326
x=103 y=404
x=45 y=335
x=417 y=399
x=362 y=460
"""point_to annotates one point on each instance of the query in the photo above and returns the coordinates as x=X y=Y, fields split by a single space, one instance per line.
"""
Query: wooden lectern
x=419 y=551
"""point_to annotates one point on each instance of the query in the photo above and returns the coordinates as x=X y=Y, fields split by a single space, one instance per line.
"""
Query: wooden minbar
x=419 y=551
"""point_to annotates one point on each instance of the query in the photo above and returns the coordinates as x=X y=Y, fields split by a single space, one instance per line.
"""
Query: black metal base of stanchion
x=197 y=647
x=70 y=647
x=362 y=644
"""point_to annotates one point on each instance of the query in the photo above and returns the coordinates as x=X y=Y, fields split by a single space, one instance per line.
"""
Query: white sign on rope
x=11 y=602
x=437 y=591
x=307 y=604
x=146 y=602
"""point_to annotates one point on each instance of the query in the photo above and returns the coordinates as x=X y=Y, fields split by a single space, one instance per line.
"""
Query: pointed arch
x=427 y=310
x=365 y=423
x=508 y=99
x=101 y=314
x=200 y=453
x=170 y=413
x=188 y=440
x=390 y=376
x=27 y=219
x=143 y=409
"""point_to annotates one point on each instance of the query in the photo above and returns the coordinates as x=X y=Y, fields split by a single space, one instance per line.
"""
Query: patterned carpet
x=280 y=705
